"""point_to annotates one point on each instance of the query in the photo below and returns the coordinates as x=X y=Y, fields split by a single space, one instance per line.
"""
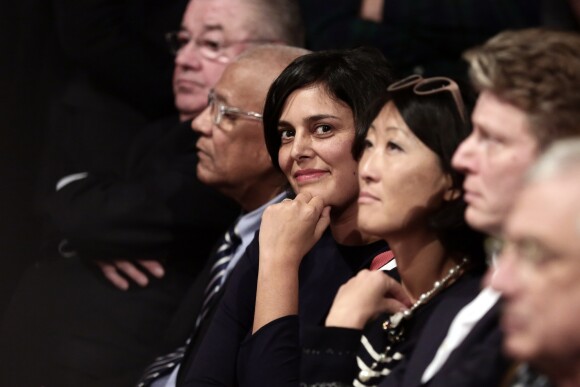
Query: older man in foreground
x=538 y=272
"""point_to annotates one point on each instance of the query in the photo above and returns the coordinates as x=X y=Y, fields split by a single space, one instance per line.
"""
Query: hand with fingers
x=117 y=271
x=291 y=228
x=364 y=297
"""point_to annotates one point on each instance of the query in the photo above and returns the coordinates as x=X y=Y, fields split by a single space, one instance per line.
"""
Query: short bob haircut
x=436 y=121
x=357 y=77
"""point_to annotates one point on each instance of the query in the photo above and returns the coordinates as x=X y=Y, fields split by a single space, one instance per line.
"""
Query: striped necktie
x=163 y=365
x=218 y=272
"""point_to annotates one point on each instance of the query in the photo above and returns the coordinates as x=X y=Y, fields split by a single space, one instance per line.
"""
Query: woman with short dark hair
x=312 y=114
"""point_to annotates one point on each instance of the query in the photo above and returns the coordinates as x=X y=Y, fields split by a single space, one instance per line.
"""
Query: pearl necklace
x=393 y=326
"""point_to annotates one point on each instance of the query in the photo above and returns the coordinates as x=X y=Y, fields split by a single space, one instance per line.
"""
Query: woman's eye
x=322 y=129
x=393 y=146
x=367 y=144
x=286 y=134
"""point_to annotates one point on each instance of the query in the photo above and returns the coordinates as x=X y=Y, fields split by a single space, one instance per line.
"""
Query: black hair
x=437 y=123
x=358 y=77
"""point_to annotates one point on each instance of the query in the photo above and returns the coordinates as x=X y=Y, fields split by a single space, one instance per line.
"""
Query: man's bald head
x=258 y=67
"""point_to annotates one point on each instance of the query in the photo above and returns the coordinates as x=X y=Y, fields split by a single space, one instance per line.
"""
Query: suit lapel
x=481 y=349
x=455 y=298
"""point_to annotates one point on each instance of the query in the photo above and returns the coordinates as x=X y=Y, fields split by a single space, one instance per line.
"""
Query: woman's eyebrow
x=317 y=117
x=284 y=125
x=309 y=119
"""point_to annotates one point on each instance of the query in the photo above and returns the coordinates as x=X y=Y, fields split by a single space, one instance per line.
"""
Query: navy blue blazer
x=478 y=361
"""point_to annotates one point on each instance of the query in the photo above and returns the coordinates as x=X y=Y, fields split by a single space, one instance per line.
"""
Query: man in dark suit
x=154 y=214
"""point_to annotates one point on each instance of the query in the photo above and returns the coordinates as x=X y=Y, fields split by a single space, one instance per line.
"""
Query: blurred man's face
x=539 y=274
x=213 y=32
x=494 y=159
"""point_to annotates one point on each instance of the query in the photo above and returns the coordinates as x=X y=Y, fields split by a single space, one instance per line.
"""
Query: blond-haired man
x=528 y=82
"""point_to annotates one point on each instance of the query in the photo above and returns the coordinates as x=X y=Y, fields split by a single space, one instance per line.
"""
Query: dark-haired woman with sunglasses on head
x=378 y=330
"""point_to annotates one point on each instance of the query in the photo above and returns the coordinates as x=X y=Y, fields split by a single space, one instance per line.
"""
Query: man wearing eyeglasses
x=528 y=82
x=149 y=228
x=232 y=158
x=214 y=32
x=538 y=270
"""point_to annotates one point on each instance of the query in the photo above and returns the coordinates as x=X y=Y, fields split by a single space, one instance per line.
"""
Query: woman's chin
x=312 y=191
x=369 y=227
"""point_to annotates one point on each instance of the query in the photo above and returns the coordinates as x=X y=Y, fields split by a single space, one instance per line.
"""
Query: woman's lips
x=308 y=175
x=470 y=196
x=367 y=197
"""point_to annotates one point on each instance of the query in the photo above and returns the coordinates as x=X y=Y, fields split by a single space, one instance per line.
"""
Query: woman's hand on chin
x=291 y=228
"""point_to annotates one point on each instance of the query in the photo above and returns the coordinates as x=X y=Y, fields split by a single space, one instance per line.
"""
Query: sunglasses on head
x=433 y=85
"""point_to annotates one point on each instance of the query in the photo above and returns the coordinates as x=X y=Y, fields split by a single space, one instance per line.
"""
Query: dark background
x=29 y=73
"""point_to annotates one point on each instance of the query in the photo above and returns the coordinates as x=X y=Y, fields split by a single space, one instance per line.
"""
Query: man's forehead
x=228 y=84
x=496 y=115
x=547 y=210
x=215 y=15
x=229 y=91
x=223 y=92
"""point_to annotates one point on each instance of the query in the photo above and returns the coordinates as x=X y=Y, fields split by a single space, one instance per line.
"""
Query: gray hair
x=562 y=157
x=279 y=20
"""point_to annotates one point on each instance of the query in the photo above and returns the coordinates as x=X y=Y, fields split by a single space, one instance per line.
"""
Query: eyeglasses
x=433 y=85
x=528 y=249
x=218 y=110
x=211 y=49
